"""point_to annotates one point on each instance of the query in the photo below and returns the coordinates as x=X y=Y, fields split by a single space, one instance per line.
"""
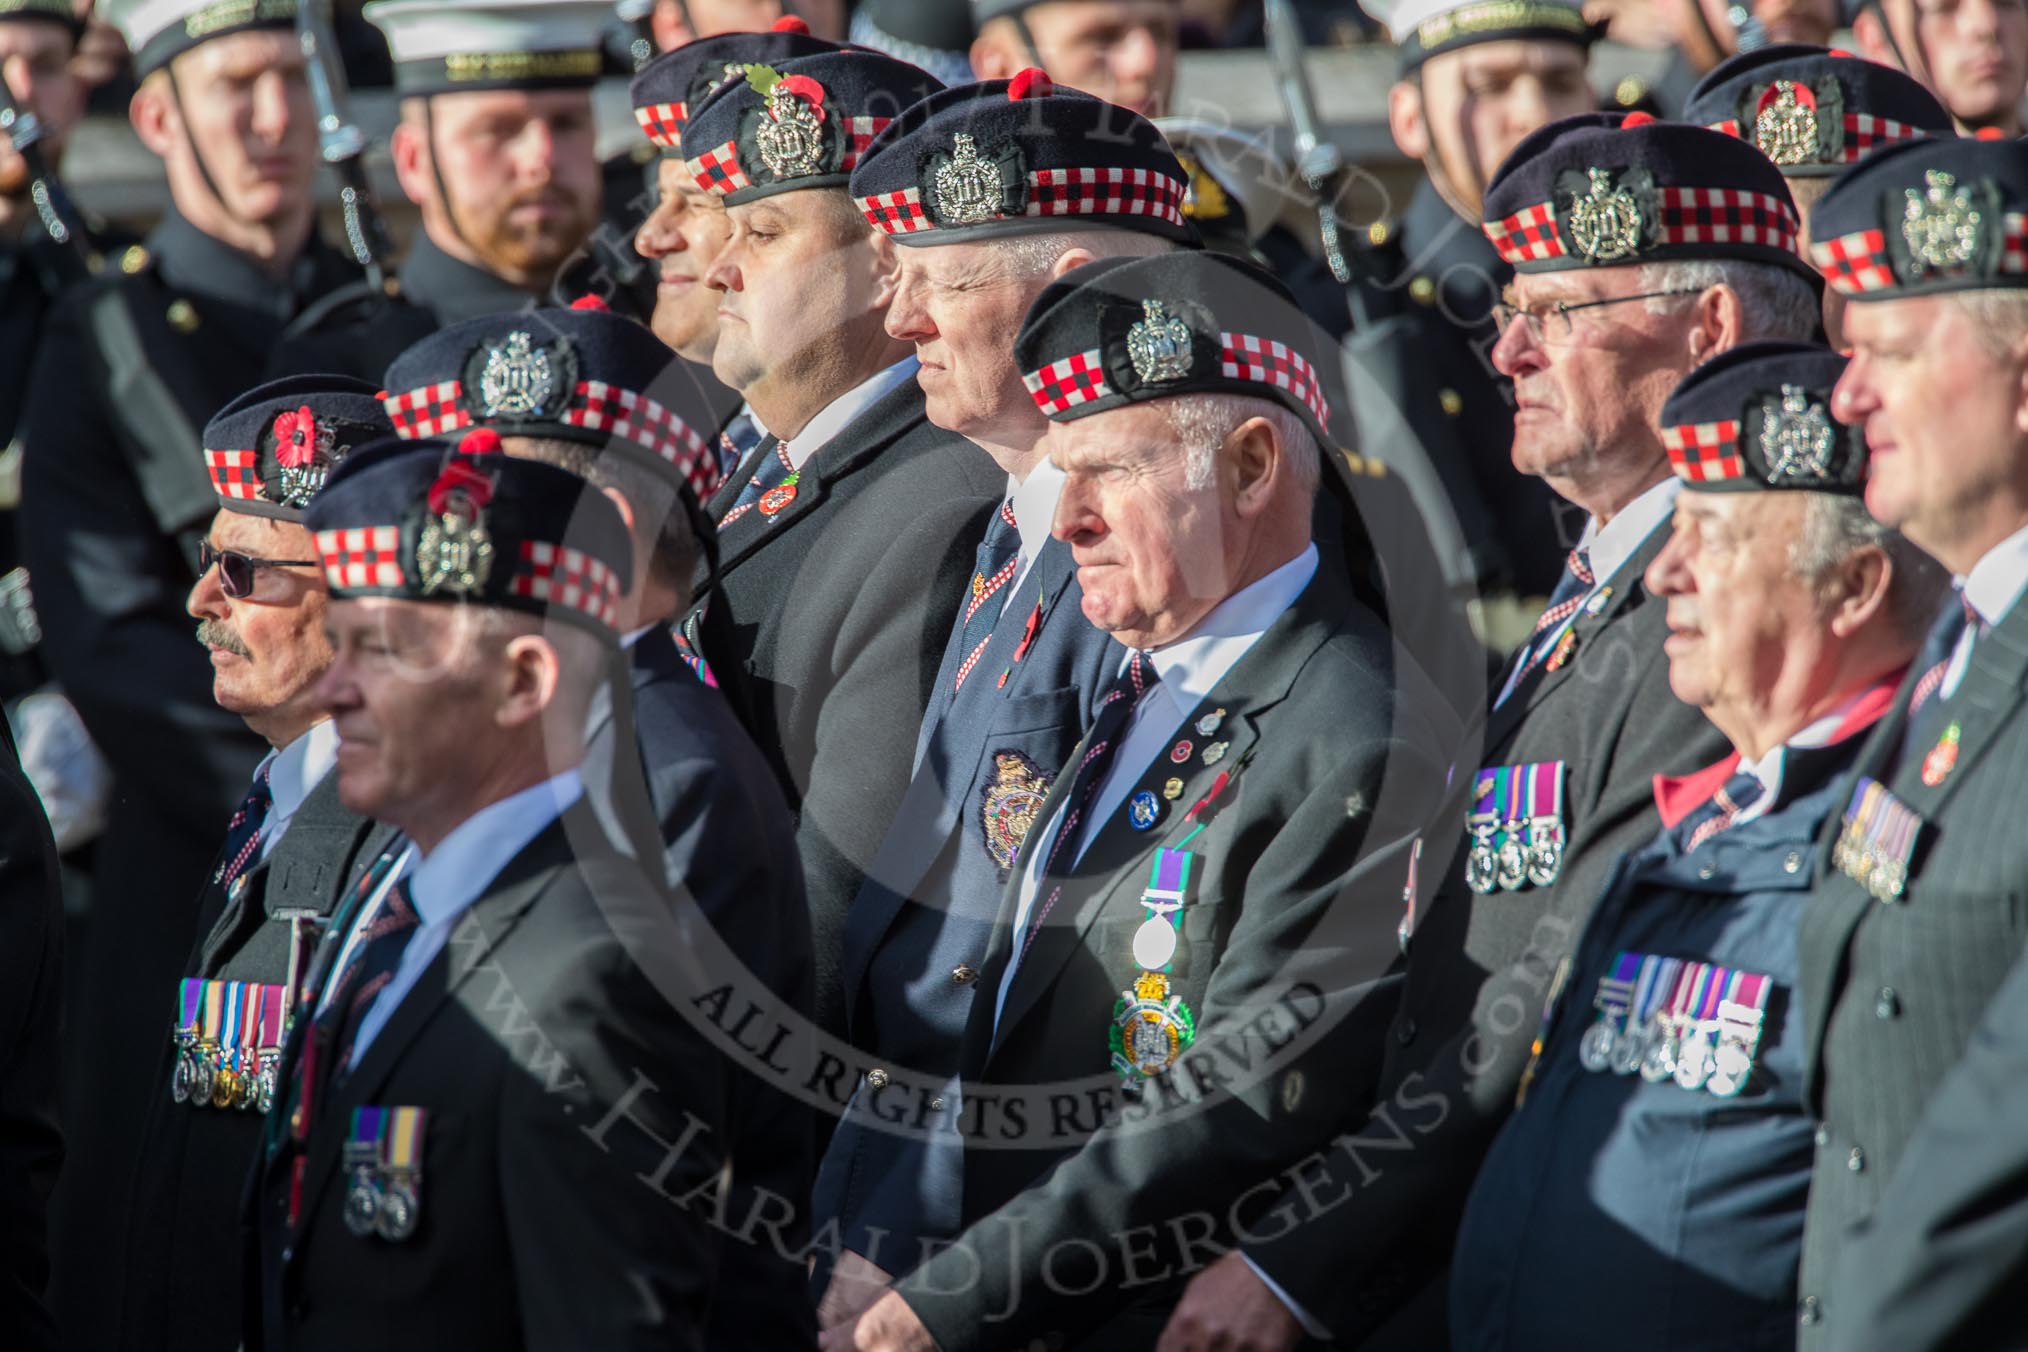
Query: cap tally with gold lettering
x=583 y=374
x=157 y=30
x=455 y=46
x=1757 y=418
x=801 y=124
x=668 y=87
x=1619 y=189
x=437 y=520
x=1019 y=156
x=270 y=450
x=1812 y=110
x=1424 y=28
x=1925 y=218
x=1129 y=330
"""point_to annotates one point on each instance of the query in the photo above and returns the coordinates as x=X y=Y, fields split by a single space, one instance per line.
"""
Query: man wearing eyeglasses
x=288 y=854
x=1624 y=283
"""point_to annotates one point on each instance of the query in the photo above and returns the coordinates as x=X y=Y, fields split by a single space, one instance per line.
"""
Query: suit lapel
x=1981 y=706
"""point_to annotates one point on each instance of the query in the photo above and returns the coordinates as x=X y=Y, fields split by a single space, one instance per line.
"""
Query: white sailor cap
x=449 y=46
x=157 y=30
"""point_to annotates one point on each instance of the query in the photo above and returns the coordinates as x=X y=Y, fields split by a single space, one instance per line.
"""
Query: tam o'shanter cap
x=583 y=374
x=437 y=520
x=453 y=46
x=1813 y=111
x=1424 y=28
x=668 y=87
x=1925 y=218
x=158 y=30
x=270 y=450
x=802 y=124
x=1019 y=156
x=1757 y=418
x=1128 y=330
x=1616 y=189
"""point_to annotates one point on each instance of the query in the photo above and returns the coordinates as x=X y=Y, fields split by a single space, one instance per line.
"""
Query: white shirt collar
x=832 y=418
x=1768 y=769
x=1193 y=664
x=1607 y=547
x=457 y=872
x=298 y=768
x=1035 y=506
x=1997 y=579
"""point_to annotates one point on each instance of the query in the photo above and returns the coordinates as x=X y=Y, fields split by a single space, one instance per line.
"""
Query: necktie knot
x=774 y=471
x=1735 y=796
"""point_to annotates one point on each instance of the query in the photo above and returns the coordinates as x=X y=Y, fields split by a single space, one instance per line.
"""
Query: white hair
x=1836 y=527
x=1774 y=302
x=1202 y=422
x=1999 y=318
x=1032 y=255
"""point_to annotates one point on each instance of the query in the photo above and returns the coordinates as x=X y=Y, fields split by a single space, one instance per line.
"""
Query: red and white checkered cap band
x=1864 y=134
x=717 y=169
x=1245 y=357
x=361 y=556
x=1082 y=191
x=860 y=133
x=427 y=412
x=234 y=473
x=1688 y=216
x=646 y=423
x=663 y=122
x=1858 y=263
x=1064 y=384
x=1703 y=453
x=558 y=575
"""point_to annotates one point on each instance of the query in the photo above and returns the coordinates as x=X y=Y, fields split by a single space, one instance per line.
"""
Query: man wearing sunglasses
x=1622 y=286
x=287 y=857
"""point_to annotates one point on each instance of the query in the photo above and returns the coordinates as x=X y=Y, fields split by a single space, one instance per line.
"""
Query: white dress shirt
x=448 y=879
x=1606 y=548
x=832 y=418
x=292 y=772
x=1034 y=504
x=1189 y=667
x=1768 y=769
x=1993 y=587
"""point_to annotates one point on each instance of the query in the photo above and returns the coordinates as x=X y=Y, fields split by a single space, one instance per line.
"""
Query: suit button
x=1823 y=1137
x=1450 y=401
x=288 y=1253
x=1810 y=1312
x=876 y=1078
x=1404 y=1031
x=1707 y=872
x=964 y=974
x=1422 y=291
x=1887 y=1004
x=937 y=1104
x=1793 y=863
x=1856 y=1161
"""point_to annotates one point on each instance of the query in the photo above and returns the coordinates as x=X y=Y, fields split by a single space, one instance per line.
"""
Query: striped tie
x=1941 y=646
x=1738 y=794
x=243 y=832
x=1571 y=589
x=774 y=471
x=999 y=559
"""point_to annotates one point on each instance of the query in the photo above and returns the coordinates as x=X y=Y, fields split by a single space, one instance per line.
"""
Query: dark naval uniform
x=265 y=902
x=1425 y=289
x=1585 y=724
x=1919 y=911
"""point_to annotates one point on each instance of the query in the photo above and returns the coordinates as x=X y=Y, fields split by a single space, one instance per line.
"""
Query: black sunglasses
x=237 y=571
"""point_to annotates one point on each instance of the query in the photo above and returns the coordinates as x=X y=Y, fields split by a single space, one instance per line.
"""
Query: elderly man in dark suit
x=691 y=791
x=1919 y=909
x=290 y=853
x=495 y=1096
x=1185 y=989
x=1620 y=289
x=845 y=537
x=1022 y=666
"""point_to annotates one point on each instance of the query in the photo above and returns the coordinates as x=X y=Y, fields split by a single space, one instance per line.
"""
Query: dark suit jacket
x=557 y=1075
x=1335 y=750
x=826 y=628
x=723 y=827
x=116 y=497
x=194 y=1161
x=1940 y=1264
x=1891 y=993
x=31 y=1146
x=927 y=910
x=1480 y=967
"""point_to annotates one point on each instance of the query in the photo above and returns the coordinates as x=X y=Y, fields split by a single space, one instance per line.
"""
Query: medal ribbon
x=1545 y=790
x=189 y=999
x=402 y=1139
x=252 y=1004
x=1168 y=881
x=235 y=1003
x=273 y=1016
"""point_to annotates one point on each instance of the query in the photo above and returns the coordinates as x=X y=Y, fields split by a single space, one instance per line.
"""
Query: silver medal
x=1595 y=1050
x=1155 y=943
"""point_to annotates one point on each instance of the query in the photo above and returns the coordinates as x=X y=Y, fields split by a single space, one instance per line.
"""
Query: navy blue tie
x=1738 y=794
x=772 y=471
x=993 y=571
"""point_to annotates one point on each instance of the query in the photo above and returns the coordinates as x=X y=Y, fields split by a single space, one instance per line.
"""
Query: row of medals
x=208 y=1076
x=381 y=1201
x=1693 y=1052
x=1530 y=853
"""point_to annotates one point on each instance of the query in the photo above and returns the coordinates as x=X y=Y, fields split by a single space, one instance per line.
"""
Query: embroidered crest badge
x=1159 y=344
x=1796 y=436
x=1009 y=805
x=1940 y=224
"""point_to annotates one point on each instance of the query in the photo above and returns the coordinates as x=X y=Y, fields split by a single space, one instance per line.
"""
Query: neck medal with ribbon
x=1152 y=1028
x=1878 y=841
x=1516 y=827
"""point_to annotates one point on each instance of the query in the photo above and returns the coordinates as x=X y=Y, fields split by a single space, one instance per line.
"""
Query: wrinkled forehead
x=1131 y=432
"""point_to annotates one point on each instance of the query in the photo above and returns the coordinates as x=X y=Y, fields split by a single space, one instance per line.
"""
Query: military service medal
x=1737 y=1033
x=401 y=1173
x=1151 y=1028
x=1877 y=844
x=1615 y=994
x=190 y=997
x=362 y=1169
